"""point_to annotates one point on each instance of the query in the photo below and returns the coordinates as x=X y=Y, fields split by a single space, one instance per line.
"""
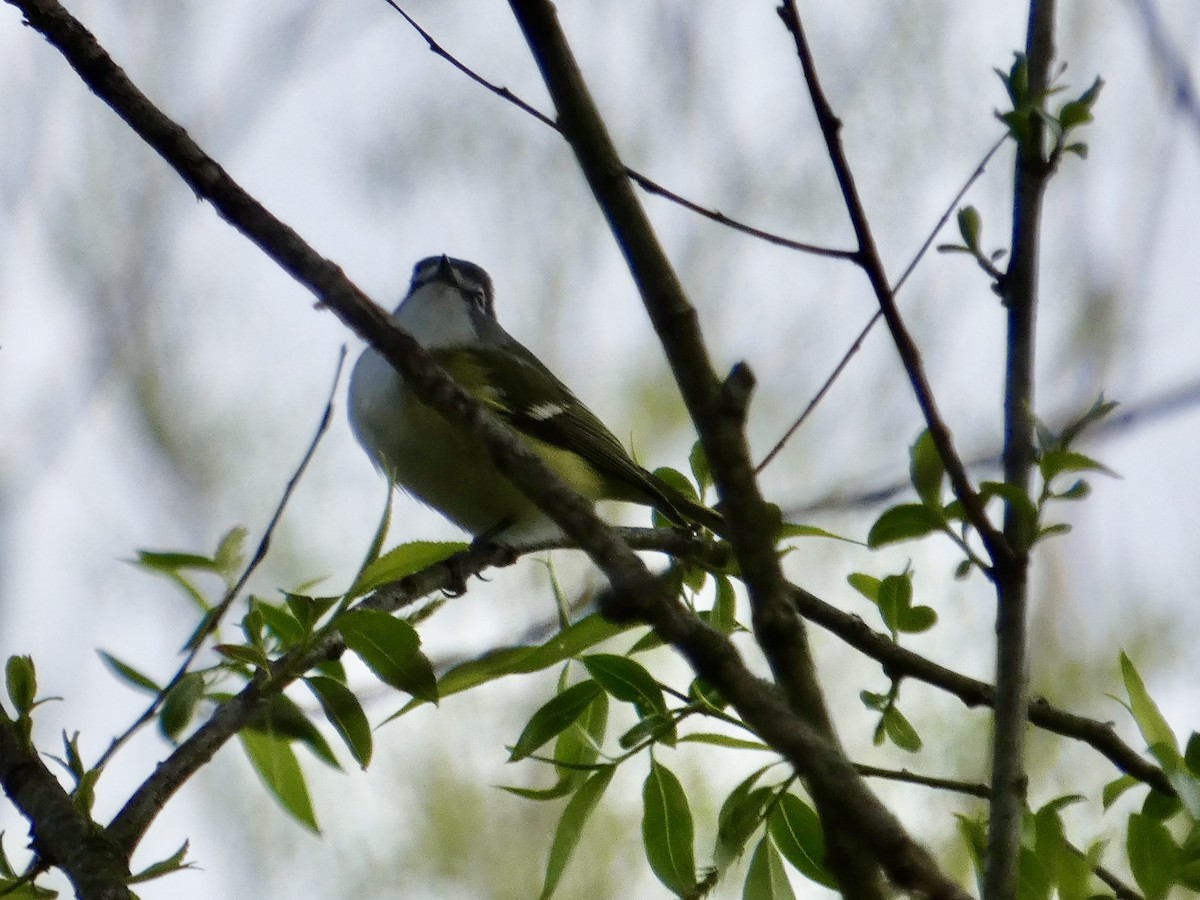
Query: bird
x=450 y=310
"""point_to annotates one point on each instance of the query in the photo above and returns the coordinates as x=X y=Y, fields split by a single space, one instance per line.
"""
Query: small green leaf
x=1060 y=460
x=628 y=681
x=1145 y=711
x=925 y=468
x=901 y=732
x=724 y=608
x=1018 y=502
x=895 y=596
x=279 y=621
x=308 y=610
x=667 y=830
x=916 y=619
x=793 y=530
x=698 y=462
x=180 y=704
x=580 y=744
x=969 y=226
x=231 y=555
x=129 y=674
x=276 y=764
x=1191 y=756
x=243 y=655
x=740 y=816
x=402 y=561
x=797 y=832
x=766 y=878
x=905 y=522
x=1116 y=788
x=173 y=863
x=867 y=585
x=21 y=680
x=345 y=714
x=570 y=826
x=554 y=717
x=725 y=740
x=391 y=649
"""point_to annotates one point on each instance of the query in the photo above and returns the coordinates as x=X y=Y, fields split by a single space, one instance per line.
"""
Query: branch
x=718 y=411
x=62 y=835
x=898 y=662
x=1019 y=290
x=868 y=259
x=647 y=184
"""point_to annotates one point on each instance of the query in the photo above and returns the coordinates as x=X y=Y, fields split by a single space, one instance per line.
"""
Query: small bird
x=450 y=310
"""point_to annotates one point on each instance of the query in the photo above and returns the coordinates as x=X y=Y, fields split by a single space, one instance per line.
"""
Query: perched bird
x=449 y=309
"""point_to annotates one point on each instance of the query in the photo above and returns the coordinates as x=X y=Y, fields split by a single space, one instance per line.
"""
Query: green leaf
x=554 y=717
x=283 y=718
x=628 y=681
x=739 y=818
x=797 y=832
x=180 y=704
x=1191 y=756
x=1116 y=788
x=667 y=830
x=766 y=878
x=308 y=610
x=1145 y=711
x=523 y=659
x=925 y=468
x=867 y=585
x=279 y=621
x=21 y=679
x=231 y=555
x=276 y=764
x=570 y=826
x=725 y=740
x=391 y=649
x=969 y=226
x=173 y=863
x=1056 y=462
x=402 y=561
x=1153 y=856
x=681 y=483
x=724 y=609
x=895 y=596
x=905 y=522
x=345 y=714
x=916 y=619
x=698 y=461
x=792 y=530
x=580 y=744
x=1018 y=501
x=901 y=732
x=243 y=655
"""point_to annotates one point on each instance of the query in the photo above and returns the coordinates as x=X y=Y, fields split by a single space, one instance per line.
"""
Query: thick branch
x=62 y=835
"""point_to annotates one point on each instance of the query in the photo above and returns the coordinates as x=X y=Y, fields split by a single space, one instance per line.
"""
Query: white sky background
x=159 y=378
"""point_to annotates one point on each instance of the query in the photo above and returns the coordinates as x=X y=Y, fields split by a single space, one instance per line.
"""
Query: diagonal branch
x=647 y=184
x=872 y=265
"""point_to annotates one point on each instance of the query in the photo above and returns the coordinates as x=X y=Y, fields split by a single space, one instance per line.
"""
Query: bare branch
x=868 y=259
x=647 y=184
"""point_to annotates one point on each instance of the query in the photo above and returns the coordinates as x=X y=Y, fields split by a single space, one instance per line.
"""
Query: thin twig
x=970 y=788
x=213 y=619
x=648 y=184
x=862 y=335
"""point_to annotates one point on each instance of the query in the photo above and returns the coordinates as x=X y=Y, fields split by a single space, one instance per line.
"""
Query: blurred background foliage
x=159 y=378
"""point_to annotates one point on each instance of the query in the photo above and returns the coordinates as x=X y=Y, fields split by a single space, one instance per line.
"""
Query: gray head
x=474 y=283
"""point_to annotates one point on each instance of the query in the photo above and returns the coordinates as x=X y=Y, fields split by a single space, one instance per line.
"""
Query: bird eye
x=478 y=297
